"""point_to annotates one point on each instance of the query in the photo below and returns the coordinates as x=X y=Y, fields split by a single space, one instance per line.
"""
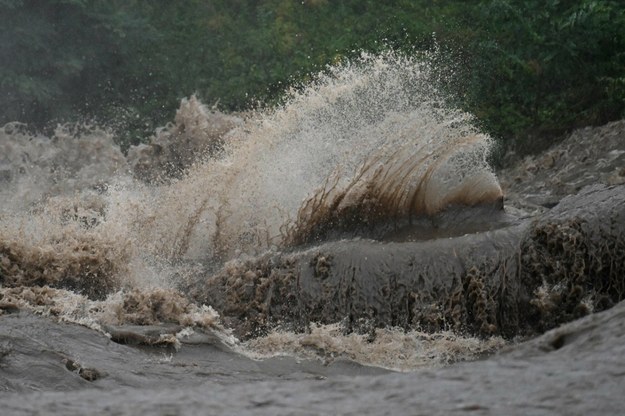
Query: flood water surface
x=345 y=252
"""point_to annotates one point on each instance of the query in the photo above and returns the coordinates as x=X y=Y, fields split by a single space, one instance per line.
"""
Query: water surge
x=362 y=212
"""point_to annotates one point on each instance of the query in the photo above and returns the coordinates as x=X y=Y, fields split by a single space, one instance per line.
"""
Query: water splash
x=369 y=146
x=368 y=142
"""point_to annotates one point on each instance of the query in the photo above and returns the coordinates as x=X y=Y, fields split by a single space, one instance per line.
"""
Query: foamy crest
x=132 y=307
x=393 y=349
x=372 y=137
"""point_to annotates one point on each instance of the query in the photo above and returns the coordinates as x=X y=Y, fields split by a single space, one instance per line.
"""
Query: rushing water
x=367 y=156
x=366 y=149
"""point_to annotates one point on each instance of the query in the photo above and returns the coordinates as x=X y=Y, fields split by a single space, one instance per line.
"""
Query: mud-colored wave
x=371 y=142
x=519 y=280
x=392 y=190
x=363 y=204
x=369 y=145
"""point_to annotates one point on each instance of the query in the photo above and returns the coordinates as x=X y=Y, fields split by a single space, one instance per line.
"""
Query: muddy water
x=292 y=261
x=576 y=369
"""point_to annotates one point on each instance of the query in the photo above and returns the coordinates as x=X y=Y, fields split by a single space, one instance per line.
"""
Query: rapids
x=354 y=229
x=368 y=149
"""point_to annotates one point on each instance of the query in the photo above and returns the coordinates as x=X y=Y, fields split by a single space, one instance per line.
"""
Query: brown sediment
x=82 y=264
x=518 y=280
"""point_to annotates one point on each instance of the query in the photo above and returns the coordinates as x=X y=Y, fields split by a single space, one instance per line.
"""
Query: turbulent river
x=349 y=251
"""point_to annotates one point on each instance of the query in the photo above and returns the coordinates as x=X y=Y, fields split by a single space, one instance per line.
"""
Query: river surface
x=348 y=252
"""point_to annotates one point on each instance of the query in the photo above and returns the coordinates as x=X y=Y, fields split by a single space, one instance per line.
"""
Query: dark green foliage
x=529 y=70
x=64 y=57
x=545 y=67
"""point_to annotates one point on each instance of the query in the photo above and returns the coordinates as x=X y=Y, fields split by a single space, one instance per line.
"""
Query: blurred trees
x=529 y=70
x=544 y=67
x=60 y=57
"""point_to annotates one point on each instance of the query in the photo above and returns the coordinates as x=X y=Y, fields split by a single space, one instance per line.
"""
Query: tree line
x=530 y=71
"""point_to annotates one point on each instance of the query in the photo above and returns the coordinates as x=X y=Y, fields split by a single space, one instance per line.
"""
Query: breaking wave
x=367 y=148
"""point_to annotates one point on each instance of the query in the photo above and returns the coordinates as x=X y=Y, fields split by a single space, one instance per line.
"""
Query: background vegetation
x=529 y=70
